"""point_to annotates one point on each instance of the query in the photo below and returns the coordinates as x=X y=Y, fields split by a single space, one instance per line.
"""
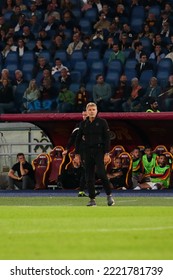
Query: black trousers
x=94 y=162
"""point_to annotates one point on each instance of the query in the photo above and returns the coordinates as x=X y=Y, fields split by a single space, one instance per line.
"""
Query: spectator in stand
x=21 y=47
x=6 y=97
x=81 y=99
x=98 y=5
x=51 y=11
x=167 y=96
x=75 y=45
x=143 y=65
x=137 y=50
x=15 y=15
x=50 y=24
x=34 y=25
x=47 y=97
x=31 y=94
x=10 y=46
x=65 y=78
x=157 y=54
x=5 y=74
x=166 y=31
x=122 y=14
x=124 y=42
x=22 y=6
x=40 y=65
x=116 y=54
x=102 y=23
x=121 y=94
x=48 y=76
x=87 y=45
x=18 y=78
x=153 y=90
x=86 y=5
x=146 y=32
x=102 y=93
x=113 y=31
x=8 y=6
x=58 y=67
x=43 y=35
x=65 y=100
x=68 y=21
x=153 y=22
x=57 y=44
x=27 y=35
x=66 y=5
x=18 y=28
x=133 y=103
x=39 y=47
x=4 y=25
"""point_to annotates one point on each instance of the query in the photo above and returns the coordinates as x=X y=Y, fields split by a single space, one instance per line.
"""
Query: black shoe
x=110 y=200
x=82 y=194
x=92 y=203
x=97 y=193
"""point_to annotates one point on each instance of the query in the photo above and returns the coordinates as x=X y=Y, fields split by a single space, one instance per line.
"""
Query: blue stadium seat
x=115 y=65
x=147 y=45
x=27 y=58
x=76 y=76
x=77 y=13
x=165 y=64
x=138 y=12
x=76 y=56
x=91 y=15
x=82 y=67
x=98 y=66
x=62 y=54
x=136 y=25
x=130 y=64
x=112 y=78
x=155 y=9
x=86 y=26
x=74 y=87
x=162 y=77
x=92 y=56
x=145 y=78
x=12 y=58
x=27 y=69
x=106 y=56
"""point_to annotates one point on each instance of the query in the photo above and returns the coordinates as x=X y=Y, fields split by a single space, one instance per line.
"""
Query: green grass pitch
x=63 y=228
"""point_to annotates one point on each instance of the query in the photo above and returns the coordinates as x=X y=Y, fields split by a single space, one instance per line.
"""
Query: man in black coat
x=95 y=133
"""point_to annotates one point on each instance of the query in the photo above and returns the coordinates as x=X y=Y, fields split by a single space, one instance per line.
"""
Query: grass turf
x=62 y=228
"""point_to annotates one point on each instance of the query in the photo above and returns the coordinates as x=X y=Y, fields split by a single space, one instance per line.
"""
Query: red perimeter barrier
x=127 y=129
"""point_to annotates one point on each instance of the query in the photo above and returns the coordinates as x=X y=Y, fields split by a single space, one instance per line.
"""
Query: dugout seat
x=127 y=163
x=160 y=149
x=56 y=163
x=41 y=166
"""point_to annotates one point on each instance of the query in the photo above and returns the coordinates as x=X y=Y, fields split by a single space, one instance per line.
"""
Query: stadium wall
x=127 y=129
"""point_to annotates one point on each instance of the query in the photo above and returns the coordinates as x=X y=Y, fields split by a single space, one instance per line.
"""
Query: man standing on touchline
x=95 y=133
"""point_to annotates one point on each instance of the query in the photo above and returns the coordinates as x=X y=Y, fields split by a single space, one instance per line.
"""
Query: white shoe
x=137 y=188
x=154 y=188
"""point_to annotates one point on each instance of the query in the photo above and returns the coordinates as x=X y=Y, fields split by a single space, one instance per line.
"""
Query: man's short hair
x=91 y=104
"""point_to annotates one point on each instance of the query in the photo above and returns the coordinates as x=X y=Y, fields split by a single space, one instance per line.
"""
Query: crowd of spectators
x=57 y=55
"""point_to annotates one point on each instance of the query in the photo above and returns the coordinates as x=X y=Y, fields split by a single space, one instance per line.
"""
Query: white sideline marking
x=95 y=230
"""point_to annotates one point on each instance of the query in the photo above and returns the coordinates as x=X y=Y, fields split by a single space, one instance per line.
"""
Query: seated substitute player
x=148 y=160
x=159 y=176
x=137 y=167
x=117 y=175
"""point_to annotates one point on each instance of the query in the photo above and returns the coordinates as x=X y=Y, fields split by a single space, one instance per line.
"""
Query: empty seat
x=145 y=77
x=76 y=56
x=62 y=54
x=91 y=15
x=75 y=76
x=115 y=65
x=165 y=64
x=56 y=163
x=92 y=56
x=112 y=78
x=82 y=67
x=41 y=167
x=86 y=26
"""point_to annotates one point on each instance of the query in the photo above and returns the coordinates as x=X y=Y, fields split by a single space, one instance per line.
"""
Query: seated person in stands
x=65 y=100
x=133 y=103
x=102 y=93
x=159 y=176
x=7 y=104
x=24 y=179
x=31 y=94
x=72 y=177
x=117 y=175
